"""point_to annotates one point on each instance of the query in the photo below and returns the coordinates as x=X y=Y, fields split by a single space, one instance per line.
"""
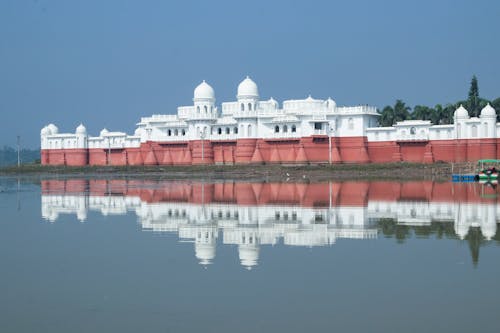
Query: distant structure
x=249 y=130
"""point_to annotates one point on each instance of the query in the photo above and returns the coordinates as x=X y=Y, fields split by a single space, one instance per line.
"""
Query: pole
x=329 y=144
x=18 y=151
x=202 y=136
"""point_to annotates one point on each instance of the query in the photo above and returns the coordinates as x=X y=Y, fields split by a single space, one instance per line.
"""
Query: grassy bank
x=397 y=171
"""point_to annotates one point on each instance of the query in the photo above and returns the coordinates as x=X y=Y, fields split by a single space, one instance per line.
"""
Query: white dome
x=53 y=129
x=205 y=253
x=103 y=132
x=45 y=131
x=461 y=112
x=488 y=111
x=249 y=255
x=461 y=229
x=81 y=130
x=204 y=91
x=331 y=103
x=138 y=131
x=247 y=88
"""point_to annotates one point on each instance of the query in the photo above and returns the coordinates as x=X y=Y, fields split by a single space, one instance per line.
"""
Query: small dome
x=273 y=102
x=138 y=131
x=331 y=103
x=461 y=112
x=204 y=91
x=103 y=132
x=53 y=129
x=45 y=131
x=309 y=98
x=205 y=253
x=81 y=130
x=488 y=111
x=247 y=89
x=249 y=255
x=461 y=229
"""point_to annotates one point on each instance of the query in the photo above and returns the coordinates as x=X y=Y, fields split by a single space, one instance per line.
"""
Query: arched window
x=350 y=124
x=235 y=130
x=206 y=109
x=249 y=106
x=294 y=129
x=413 y=131
x=474 y=131
x=249 y=130
x=176 y=132
x=183 y=132
x=242 y=107
x=485 y=125
x=169 y=133
x=211 y=109
x=276 y=129
x=219 y=131
x=285 y=129
x=198 y=109
x=227 y=130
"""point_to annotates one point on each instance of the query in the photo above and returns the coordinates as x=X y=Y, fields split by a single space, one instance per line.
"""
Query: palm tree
x=401 y=111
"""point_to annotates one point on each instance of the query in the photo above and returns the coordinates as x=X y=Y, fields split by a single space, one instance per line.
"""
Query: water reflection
x=250 y=215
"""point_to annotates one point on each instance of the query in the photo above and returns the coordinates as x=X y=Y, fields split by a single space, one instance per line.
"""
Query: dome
x=53 y=129
x=81 y=130
x=249 y=255
x=138 y=131
x=461 y=229
x=45 y=131
x=205 y=253
x=103 y=132
x=247 y=88
x=331 y=103
x=461 y=112
x=204 y=91
x=488 y=111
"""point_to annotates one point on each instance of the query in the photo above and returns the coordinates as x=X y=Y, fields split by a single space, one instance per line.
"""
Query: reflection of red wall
x=302 y=194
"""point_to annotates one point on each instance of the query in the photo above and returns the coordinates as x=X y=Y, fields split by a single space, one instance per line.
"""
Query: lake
x=128 y=255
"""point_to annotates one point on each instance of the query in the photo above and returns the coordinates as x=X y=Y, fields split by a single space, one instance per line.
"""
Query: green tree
x=387 y=116
x=496 y=105
x=422 y=112
x=401 y=111
x=473 y=101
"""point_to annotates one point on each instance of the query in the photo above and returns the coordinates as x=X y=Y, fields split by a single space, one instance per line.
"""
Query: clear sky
x=107 y=63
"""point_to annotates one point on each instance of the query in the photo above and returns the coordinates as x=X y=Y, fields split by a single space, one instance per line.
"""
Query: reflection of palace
x=253 y=214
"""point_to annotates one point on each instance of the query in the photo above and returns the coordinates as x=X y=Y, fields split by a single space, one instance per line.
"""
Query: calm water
x=162 y=256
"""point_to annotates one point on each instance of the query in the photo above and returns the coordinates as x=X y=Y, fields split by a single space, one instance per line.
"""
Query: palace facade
x=250 y=130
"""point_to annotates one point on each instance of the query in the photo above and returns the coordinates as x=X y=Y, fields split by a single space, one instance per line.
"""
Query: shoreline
x=439 y=171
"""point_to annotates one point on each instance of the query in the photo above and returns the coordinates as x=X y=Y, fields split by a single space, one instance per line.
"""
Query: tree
x=496 y=105
x=473 y=101
x=387 y=116
x=401 y=111
x=422 y=112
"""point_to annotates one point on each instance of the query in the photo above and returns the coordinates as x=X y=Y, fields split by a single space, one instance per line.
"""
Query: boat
x=487 y=170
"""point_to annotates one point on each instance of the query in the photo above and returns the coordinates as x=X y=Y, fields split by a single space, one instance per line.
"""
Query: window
x=413 y=131
x=350 y=124
x=176 y=132
x=169 y=133
x=249 y=130
x=249 y=107
x=242 y=107
x=206 y=109
x=198 y=109
x=276 y=129
x=318 y=126
x=183 y=132
x=474 y=131
x=294 y=129
x=219 y=131
x=227 y=130
x=235 y=130
x=285 y=129
x=485 y=129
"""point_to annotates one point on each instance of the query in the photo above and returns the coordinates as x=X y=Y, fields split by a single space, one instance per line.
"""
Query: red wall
x=289 y=151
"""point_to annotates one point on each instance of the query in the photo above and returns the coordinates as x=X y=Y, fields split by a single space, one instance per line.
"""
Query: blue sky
x=107 y=63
